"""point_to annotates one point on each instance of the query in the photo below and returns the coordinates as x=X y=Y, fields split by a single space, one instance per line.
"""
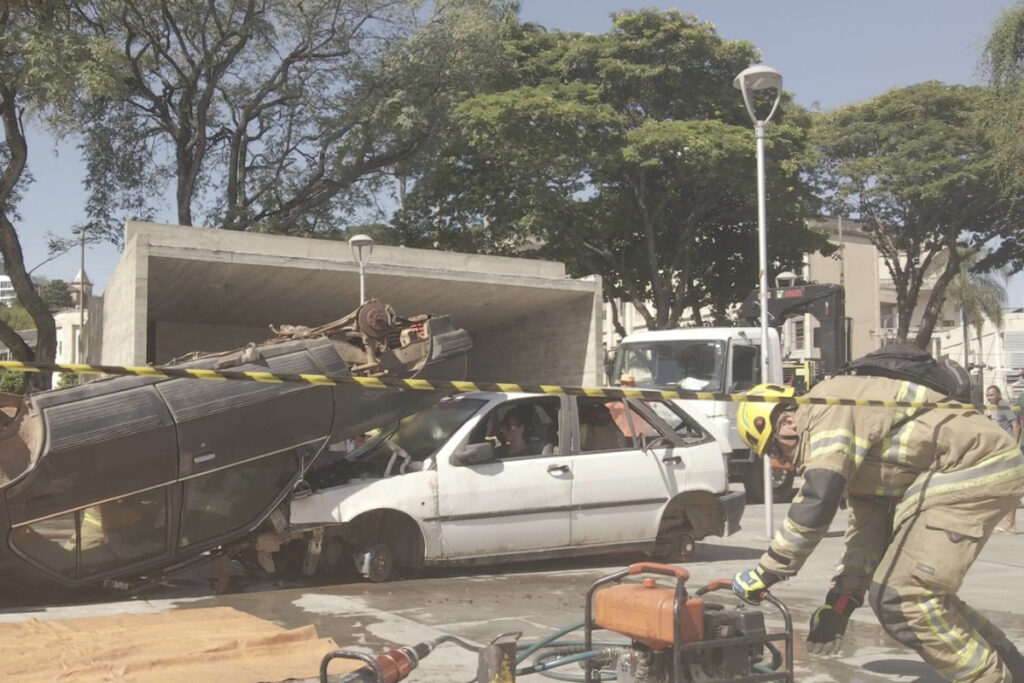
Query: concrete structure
x=998 y=358
x=179 y=289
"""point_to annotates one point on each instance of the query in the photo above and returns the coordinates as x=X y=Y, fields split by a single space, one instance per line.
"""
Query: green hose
x=544 y=641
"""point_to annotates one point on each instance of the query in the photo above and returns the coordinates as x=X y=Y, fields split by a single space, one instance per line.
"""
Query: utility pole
x=79 y=351
x=842 y=255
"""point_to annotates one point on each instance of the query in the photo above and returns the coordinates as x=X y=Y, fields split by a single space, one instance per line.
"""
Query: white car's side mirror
x=472 y=454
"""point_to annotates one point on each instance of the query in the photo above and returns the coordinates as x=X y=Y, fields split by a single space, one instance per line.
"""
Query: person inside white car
x=517 y=434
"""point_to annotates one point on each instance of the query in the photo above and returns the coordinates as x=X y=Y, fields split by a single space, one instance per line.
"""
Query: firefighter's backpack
x=910 y=363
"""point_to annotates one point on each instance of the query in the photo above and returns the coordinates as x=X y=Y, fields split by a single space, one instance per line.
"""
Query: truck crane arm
x=826 y=302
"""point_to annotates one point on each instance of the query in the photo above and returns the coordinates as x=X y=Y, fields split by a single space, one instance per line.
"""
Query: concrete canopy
x=180 y=289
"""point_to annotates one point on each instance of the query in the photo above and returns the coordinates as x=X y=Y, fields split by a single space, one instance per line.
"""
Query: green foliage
x=271 y=116
x=917 y=170
x=17 y=317
x=1003 y=118
x=26 y=89
x=12 y=382
x=67 y=379
x=627 y=154
x=56 y=294
x=1004 y=51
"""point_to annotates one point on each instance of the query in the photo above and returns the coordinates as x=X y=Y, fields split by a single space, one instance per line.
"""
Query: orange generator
x=677 y=637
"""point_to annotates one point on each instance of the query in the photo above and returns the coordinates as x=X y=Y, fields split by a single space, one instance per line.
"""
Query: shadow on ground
x=913 y=672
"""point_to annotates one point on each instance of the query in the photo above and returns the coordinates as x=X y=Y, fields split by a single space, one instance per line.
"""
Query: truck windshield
x=691 y=364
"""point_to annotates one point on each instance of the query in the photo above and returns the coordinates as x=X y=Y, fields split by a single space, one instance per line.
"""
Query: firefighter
x=925 y=490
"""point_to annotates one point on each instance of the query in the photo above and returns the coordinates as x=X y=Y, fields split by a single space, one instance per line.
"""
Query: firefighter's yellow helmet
x=754 y=419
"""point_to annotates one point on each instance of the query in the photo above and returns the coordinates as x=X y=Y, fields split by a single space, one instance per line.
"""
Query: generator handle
x=787 y=621
x=657 y=568
x=716 y=585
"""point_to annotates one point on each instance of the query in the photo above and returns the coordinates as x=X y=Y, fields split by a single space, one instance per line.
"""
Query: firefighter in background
x=925 y=490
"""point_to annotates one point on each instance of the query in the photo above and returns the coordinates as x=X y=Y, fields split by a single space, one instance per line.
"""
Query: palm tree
x=980 y=297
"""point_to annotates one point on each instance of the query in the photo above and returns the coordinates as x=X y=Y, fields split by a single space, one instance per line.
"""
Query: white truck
x=712 y=359
x=728 y=360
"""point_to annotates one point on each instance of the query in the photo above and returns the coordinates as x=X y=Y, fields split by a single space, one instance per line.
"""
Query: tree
x=917 y=171
x=269 y=115
x=17 y=318
x=1003 y=117
x=56 y=294
x=12 y=382
x=25 y=31
x=978 y=296
x=628 y=155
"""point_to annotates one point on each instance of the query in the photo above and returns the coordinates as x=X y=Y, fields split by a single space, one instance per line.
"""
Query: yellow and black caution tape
x=459 y=386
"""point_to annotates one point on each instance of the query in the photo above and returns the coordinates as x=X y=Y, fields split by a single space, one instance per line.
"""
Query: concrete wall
x=124 y=306
x=177 y=340
x=553 y=346
x=181 y=289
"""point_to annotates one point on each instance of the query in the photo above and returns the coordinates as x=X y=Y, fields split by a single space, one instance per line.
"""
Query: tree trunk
x=10 y=248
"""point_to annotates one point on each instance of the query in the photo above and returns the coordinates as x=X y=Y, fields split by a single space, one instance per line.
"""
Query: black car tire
x=382 y=563
x=679 y=546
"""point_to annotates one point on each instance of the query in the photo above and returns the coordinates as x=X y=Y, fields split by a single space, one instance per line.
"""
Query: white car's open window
x=609 y=425
x=678 y=420
x=522 y=428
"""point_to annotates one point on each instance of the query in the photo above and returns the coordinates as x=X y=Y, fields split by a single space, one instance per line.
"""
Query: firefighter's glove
x=751 y=585
x=828 y=624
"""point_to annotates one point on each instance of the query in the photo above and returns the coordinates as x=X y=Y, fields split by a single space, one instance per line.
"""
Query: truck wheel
x=782 y=484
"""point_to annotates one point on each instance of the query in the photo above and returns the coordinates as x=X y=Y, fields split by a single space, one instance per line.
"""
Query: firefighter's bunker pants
x=913 y=590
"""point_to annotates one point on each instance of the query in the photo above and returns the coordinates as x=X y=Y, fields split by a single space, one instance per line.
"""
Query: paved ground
x=540 y=598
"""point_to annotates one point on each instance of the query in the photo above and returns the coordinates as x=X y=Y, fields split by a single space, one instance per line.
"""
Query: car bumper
x=731 y=505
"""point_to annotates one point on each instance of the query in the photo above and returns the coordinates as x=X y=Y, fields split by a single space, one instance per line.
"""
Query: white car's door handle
x=671 y=459
x=558 y=469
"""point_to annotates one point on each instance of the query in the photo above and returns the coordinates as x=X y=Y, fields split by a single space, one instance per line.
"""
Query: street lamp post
x=362 y=249
x=748 y=82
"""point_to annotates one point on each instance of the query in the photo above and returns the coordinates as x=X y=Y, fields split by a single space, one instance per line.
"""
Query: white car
x=605 y=475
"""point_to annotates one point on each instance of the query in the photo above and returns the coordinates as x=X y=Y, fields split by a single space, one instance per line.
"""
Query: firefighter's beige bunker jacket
x=938 y=457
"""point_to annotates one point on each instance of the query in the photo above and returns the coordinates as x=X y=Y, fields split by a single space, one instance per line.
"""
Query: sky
x=829 y=52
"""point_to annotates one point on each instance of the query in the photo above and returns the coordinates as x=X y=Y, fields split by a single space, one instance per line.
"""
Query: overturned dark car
x=139 y=476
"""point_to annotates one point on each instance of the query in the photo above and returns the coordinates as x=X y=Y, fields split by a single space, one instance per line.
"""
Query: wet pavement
x=540 y=598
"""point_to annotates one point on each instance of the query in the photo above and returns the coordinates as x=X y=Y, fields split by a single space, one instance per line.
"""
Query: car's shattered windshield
x=421 y=434
x=397 y=447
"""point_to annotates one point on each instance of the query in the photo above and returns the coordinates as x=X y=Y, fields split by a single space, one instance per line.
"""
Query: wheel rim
x=685 y=546
x=382 y=561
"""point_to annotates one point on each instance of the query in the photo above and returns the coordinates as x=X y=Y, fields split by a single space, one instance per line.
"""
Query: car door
x=507 y=505
x=619 y=488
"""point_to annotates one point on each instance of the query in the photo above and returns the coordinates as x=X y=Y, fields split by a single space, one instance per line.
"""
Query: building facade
x=7 y=294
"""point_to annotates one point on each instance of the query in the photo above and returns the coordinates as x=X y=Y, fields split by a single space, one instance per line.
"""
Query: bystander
x=1011 y=424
